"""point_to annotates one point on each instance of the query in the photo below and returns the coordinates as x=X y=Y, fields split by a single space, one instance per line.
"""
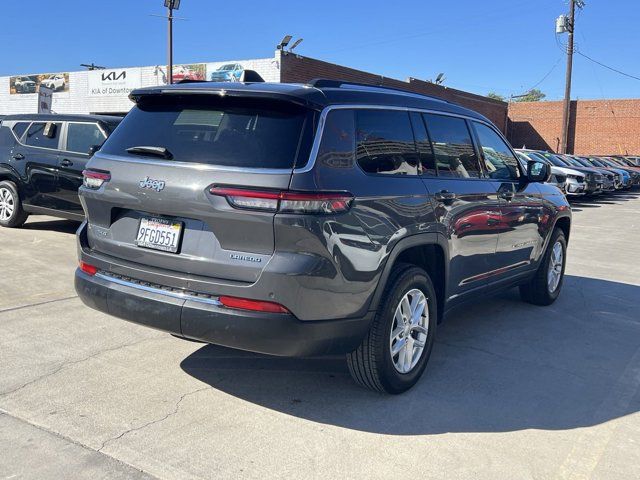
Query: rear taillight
x=88 y=269
x=253 y=305
x=94 y=179
x=285 y=201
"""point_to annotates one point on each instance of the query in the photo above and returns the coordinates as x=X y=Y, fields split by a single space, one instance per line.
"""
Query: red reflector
x=253 y=305
x=88 y=269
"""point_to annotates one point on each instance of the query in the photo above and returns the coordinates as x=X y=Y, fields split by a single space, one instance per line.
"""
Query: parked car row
x=579 y=175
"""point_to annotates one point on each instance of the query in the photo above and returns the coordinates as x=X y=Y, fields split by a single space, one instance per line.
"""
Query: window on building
x=452 y=146
x=384 y=142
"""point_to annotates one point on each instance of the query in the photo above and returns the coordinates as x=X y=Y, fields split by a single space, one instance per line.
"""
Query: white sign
x=114 y=83
x=45 y=98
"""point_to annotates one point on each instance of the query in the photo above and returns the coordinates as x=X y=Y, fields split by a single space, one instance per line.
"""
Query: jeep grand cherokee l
x=301 y=220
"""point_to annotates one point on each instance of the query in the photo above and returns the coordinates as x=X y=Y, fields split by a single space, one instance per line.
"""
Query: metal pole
x=567 y=90
x=170 y=66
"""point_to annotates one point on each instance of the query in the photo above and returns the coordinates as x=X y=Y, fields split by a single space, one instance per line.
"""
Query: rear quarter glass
x=232 y=132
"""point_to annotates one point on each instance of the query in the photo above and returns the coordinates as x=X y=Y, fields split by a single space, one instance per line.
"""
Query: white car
x=575 y=184
x=55 y=82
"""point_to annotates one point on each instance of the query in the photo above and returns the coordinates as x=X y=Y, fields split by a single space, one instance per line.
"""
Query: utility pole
x=566 y=112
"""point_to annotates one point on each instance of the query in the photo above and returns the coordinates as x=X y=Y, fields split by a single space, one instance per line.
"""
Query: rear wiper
x=147 y=150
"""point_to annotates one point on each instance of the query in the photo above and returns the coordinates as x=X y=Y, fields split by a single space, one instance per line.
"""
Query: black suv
x=309 y=219
x=41 y=162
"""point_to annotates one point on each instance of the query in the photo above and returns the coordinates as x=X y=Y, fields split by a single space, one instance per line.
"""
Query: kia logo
x=113 y=76
x=156 y=185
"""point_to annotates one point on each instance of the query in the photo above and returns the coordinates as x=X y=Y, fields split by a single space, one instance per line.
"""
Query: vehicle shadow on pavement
x=497 y=366
x=62 y=226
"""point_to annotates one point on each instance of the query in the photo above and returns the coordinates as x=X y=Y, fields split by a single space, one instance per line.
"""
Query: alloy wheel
x=7 y=204
x=556 y=262
x=409 y=331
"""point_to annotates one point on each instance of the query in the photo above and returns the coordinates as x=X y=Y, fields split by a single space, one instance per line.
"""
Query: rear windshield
x=245 y=133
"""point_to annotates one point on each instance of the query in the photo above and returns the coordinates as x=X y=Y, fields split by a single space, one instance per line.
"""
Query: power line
x=548 y=73
x=607 y=66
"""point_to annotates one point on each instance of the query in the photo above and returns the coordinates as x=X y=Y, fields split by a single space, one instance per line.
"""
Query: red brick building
x=296 y=68
x=596 y=126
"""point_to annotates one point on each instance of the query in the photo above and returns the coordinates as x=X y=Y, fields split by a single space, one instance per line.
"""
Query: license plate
x=159 y=234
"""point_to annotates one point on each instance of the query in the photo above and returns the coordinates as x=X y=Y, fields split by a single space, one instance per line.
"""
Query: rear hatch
x=163 y=160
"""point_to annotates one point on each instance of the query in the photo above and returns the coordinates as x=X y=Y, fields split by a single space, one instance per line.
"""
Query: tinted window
x=225 y=131
x=36 y=135
x=338 y=139
x=427 y=158
x=452 y=146
x=20 y=128
x=384 y=142
x=498 y=159
x=82 y=136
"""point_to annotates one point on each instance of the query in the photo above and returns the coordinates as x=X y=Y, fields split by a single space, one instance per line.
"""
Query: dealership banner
x=45 y=99
x=118 y=82
x=24 y=84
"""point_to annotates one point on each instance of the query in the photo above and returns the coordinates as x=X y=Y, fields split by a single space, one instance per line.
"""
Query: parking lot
x=512 y=390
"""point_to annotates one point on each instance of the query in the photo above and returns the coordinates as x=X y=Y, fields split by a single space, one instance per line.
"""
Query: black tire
x=537 y=290
x=371 y=364
x=19 y=216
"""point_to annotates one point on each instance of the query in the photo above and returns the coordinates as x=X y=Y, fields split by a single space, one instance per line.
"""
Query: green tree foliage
x=496 y=96
x=533 y=95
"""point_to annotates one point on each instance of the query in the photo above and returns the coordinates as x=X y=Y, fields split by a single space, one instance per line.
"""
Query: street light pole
x=171 y=6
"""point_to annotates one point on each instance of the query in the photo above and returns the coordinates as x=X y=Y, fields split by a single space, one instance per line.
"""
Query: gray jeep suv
x=302 y=220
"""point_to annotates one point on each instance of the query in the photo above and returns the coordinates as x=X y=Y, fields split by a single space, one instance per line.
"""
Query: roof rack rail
x=330 y=83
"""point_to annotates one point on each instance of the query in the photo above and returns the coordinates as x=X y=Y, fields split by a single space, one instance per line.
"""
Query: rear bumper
x=205 y=319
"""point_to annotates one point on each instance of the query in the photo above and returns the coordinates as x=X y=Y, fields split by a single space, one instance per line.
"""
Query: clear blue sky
x=506 y=46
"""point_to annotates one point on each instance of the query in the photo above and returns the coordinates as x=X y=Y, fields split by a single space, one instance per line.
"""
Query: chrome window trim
x=314 y=149
x=325 y=112
x=144 y=288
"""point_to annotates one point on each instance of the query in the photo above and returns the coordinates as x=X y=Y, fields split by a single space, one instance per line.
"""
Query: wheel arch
x=8 y=175
x=428 y=251
x=564 y=224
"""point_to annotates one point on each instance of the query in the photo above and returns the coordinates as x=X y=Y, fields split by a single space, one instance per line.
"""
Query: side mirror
x=538 y=171
x=93 y=149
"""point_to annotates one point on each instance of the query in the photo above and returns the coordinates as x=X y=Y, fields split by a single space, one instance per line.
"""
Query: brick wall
x=596 y=126
x=295 y=68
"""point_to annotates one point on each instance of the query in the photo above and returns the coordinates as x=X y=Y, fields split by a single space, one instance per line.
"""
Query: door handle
x=508 y=196
x=66 y=163
x=444 y=196
x=18 y=156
